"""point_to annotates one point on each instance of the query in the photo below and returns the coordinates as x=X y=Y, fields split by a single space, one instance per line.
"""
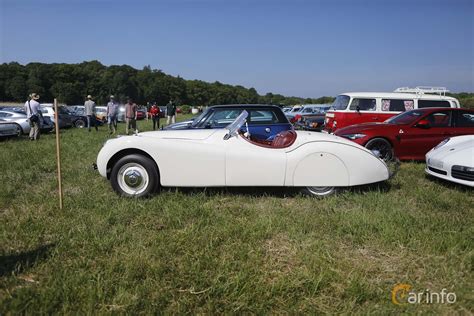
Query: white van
x=360 y=107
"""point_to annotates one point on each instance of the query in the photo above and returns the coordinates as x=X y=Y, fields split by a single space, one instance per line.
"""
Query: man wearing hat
x=89 y=109
x=112 y=113
x=33 y=113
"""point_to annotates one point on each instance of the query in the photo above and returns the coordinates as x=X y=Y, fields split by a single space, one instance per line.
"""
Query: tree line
x=71 y=83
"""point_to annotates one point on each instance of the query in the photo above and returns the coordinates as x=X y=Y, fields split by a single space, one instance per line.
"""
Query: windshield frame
x=235 y=126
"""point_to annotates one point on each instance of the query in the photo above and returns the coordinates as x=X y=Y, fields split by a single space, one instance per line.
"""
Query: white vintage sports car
x=453 y=160
x=138 y=165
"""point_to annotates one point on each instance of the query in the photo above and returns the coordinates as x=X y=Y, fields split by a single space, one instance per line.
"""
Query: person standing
x=33 y=113
x=155 y=116
x=131 y=116
x=112 y=113
x=170 y=113
x=89 y=109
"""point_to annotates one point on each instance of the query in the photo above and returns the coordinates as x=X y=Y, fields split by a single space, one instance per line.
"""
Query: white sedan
x=318 y=163
x=453 y=160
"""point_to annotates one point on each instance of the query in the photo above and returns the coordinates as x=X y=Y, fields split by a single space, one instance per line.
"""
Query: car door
x=416 y=140
x=248 y=164
x=365 y=111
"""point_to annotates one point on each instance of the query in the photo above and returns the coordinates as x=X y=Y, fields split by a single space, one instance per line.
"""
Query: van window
x=397 y=105
x=341 y=102
x=433 y=104
x=363 y=104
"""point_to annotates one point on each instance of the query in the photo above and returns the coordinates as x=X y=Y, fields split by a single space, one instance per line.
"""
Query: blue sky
x=300 y=48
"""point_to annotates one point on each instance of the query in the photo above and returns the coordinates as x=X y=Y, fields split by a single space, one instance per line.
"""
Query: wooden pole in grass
x=58 y=154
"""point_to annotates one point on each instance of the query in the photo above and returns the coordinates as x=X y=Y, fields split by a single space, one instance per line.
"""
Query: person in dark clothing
x=170 y=113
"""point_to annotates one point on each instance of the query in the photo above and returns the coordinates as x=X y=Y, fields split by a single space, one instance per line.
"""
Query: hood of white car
x=458 y=152
x=193 y=134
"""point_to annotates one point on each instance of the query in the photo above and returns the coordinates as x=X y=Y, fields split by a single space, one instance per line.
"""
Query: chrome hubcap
x=133 y=178
x=320 y=190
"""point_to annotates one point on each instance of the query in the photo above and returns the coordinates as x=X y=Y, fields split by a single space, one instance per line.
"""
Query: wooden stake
x=58 y=154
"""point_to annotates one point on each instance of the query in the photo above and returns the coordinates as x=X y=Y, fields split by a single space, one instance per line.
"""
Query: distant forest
x=71 y=83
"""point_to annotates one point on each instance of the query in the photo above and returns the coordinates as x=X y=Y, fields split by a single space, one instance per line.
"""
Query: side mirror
x=423 y=124
x=227 y=136
x=358 y=108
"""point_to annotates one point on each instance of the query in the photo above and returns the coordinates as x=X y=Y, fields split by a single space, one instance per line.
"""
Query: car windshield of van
x=341 y=102
x=405 y=118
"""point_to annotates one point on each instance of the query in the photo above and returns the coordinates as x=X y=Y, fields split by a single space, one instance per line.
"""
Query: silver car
x=21 y=120
x=8 y=129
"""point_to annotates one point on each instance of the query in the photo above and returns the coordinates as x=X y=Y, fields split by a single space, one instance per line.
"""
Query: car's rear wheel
x=134 y=176
x=381 y=147
x=319 y=191
x=80 y=123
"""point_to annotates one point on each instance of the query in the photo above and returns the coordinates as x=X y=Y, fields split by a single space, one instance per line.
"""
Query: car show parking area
x=222 y=250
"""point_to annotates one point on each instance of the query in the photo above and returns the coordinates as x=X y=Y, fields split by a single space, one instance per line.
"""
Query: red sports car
x=410 y=135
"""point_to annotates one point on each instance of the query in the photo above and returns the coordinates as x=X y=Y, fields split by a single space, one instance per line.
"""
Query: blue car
x=263 y=122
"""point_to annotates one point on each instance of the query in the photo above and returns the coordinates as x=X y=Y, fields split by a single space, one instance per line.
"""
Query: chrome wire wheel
x=133 y=178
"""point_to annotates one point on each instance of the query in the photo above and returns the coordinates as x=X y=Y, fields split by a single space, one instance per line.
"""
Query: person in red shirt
x=155 y=116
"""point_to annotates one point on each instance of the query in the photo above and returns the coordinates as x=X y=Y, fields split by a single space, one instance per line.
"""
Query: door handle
x=375 y=118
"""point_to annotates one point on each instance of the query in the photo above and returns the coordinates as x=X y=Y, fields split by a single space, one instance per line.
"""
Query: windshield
x=200 y=117
x=237 y=123
x=340 y=103
x=405 y=117
x=62 y=110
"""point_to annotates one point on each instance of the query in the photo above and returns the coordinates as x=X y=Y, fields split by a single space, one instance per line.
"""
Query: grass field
x=223 y=250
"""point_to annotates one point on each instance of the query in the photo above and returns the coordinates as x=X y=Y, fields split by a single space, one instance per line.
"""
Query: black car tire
x=135 y=176
x=80 y=123
x=382 y=146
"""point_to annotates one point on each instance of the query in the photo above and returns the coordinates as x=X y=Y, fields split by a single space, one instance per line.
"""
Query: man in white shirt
x=89 y=109
x=33 y=113
x=112 y=113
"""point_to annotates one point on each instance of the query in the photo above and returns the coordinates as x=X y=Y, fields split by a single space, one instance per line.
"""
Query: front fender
x=114 y=146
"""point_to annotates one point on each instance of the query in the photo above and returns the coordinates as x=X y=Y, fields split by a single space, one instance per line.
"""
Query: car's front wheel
x=381 y=147
x=134 y=176
x=80 y=123
x=19 y=130
x=319 y=191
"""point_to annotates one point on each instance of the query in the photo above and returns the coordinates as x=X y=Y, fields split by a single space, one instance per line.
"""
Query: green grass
x=222 y=250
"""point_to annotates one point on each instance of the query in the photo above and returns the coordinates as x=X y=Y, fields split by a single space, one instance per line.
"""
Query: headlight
x=354 y=136
x=442 y=143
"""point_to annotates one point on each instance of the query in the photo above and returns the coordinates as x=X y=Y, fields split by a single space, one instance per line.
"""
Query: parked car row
x=19 y=118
